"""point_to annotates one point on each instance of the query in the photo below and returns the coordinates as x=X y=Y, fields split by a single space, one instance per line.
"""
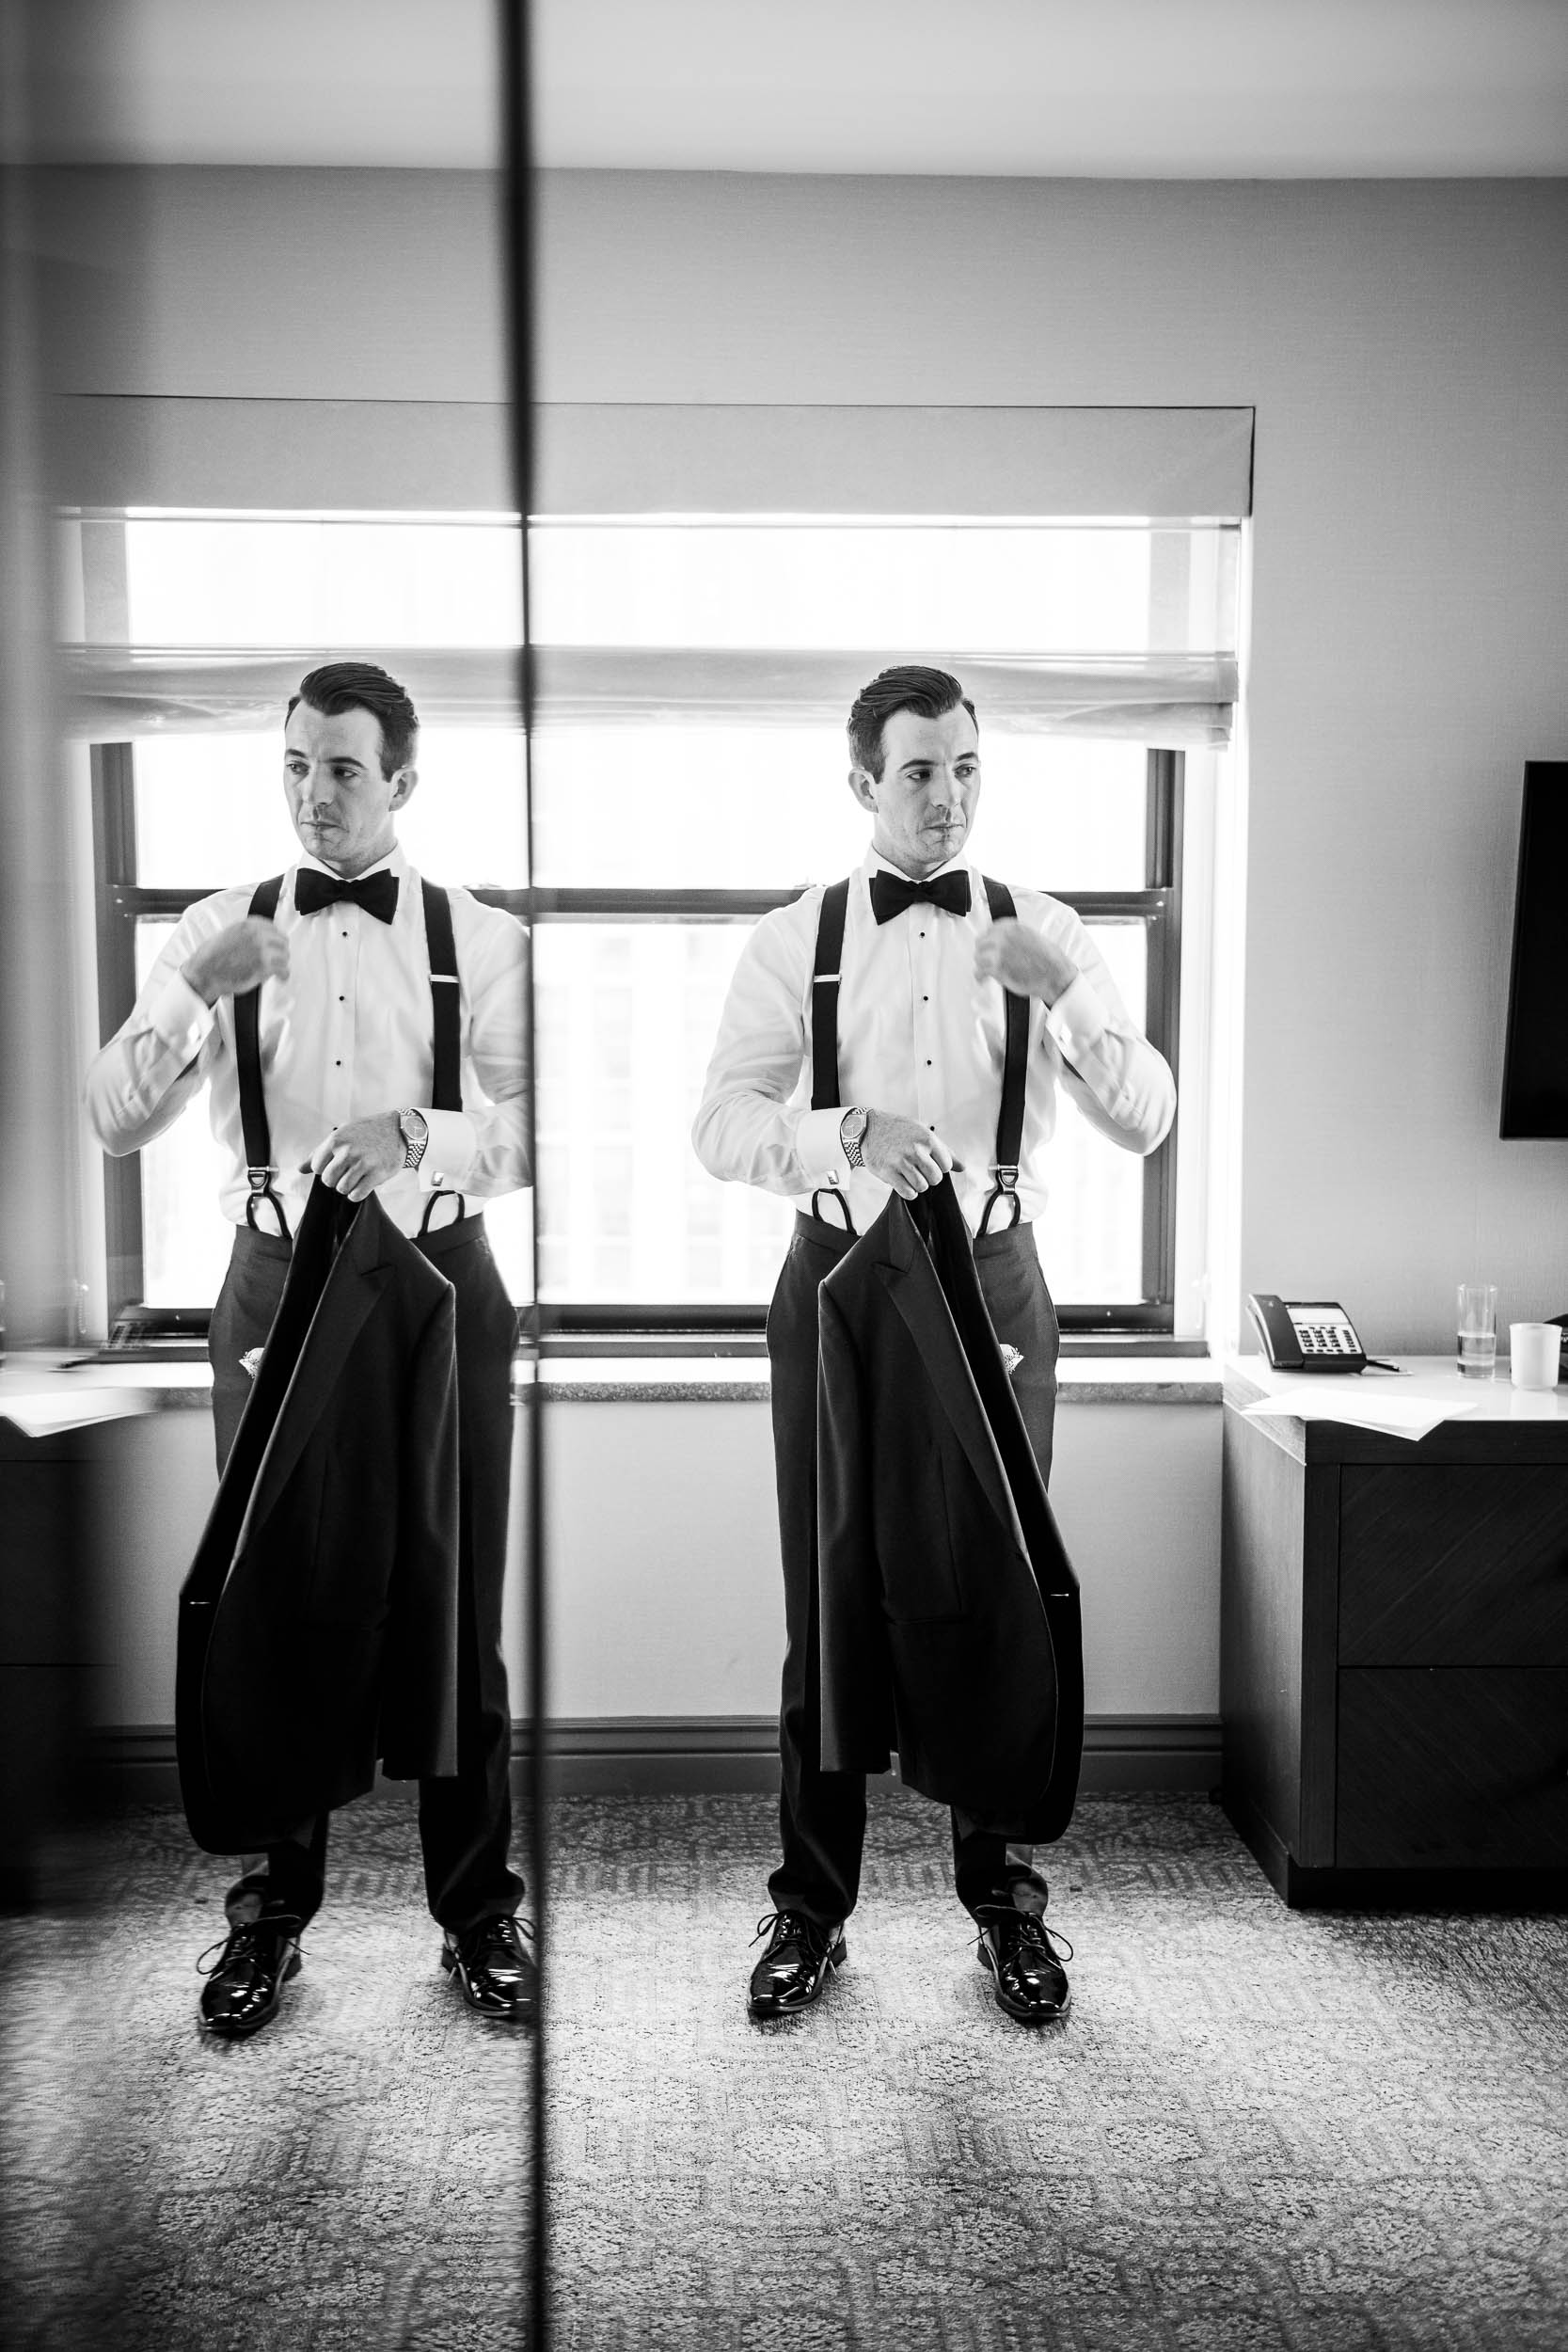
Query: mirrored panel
x=268 y=1457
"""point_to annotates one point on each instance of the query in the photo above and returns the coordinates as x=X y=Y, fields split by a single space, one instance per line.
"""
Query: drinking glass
x=1478 y=1331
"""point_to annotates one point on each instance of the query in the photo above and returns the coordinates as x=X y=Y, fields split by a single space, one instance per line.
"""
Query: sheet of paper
x=47 y=1413
x=1376 y=1408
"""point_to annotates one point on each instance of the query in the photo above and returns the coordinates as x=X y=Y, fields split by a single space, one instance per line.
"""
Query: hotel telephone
x=1305 y=1335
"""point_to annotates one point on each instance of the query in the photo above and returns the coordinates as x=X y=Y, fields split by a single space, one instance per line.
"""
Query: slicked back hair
x=339 y=686
x=929 y=693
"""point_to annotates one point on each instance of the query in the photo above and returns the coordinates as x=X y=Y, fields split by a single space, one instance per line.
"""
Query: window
x=688 y=764
x=185 y=665
x=691 y=678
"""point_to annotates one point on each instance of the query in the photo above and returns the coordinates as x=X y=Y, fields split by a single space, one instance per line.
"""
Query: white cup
x=1534 y=1354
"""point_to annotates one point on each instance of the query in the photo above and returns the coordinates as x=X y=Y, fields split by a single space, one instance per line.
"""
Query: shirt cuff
x=819 y=1146
x=449 y=1152
x=182 y=1018
x=1077 y=1019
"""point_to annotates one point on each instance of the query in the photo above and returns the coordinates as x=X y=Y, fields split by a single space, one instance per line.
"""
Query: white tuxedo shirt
x=919 y=1036
x=347 y=1035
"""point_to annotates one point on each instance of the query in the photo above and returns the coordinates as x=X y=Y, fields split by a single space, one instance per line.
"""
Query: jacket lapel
x=356 y=1280
x=911 y=1279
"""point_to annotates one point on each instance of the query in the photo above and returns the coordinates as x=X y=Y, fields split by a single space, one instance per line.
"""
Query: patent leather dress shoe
x=243 y=1990
x=496 y=1972
x=794 y=1970
x=1021 y=1954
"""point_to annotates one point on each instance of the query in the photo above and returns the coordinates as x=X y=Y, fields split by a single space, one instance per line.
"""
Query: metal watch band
x=415 y=1136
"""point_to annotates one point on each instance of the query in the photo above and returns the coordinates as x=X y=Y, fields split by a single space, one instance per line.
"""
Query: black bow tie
x=376 y=893
x=892 y=892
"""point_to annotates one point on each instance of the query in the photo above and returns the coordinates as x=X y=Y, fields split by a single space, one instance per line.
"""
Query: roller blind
x=700 y=565
x=1140 y=464
x=597 y=459
x=1172 y=699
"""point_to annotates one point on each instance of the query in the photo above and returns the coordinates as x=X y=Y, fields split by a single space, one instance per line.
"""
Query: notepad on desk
x=1397 y=1415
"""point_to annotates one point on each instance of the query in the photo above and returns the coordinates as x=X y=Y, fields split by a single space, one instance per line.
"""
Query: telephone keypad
x=1324 y=1339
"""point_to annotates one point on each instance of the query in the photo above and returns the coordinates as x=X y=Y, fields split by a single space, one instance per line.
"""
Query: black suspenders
x=824 y=1096
x=247 y=1058
x=446 y=1089
x=1015 y=1077
x=447 y=1085
x=824 y=1016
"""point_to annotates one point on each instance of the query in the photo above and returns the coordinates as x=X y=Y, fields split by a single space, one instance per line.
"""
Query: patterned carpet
x=352 y=2177
x=1256 y=2129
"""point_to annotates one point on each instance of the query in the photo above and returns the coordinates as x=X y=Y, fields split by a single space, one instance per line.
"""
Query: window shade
x=1145 y=463
x=1160 y=698
x=1117 y=628
x=1165 y=699
x=597 y=458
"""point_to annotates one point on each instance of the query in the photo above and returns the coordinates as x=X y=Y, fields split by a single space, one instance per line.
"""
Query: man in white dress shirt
x=347 y=1033
x=919 y=1033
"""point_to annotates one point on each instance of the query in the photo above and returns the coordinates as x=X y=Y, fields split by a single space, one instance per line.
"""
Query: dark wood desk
x=1394 y=1648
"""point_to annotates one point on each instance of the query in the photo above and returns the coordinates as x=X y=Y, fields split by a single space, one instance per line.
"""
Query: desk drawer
x=1452 y=1767
x=1455 y=1564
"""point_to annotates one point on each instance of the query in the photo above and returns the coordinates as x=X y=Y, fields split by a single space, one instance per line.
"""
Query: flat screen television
x=1535 y=1057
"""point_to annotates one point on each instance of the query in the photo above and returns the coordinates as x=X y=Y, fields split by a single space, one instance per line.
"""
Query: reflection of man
x=920 y=1032
x=347 y=1057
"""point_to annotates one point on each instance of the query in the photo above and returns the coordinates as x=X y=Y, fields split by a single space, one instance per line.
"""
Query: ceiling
x=1102 y=89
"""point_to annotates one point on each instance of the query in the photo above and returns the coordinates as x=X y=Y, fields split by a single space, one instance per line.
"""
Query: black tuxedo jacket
x=949 y=1613
x=318 y=1625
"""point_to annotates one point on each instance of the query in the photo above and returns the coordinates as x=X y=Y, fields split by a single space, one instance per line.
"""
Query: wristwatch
x=415 y=1131
x=852 y=1133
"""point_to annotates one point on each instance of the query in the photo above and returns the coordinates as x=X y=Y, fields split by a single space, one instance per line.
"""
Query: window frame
x=122 y=900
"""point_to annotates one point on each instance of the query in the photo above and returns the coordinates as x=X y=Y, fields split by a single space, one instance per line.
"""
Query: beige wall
x=663 y=1551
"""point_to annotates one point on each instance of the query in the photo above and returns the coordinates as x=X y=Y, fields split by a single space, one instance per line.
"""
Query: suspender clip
x=259 y=1180
x=1005 y=1188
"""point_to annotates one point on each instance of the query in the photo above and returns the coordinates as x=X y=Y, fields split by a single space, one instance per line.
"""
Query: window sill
x=736 y=1380
x=46 y=1391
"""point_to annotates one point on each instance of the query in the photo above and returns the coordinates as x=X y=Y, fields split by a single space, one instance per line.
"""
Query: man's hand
x=1023 y=961
x=356 y=1158
x=904 y=1153
x=237 y=959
